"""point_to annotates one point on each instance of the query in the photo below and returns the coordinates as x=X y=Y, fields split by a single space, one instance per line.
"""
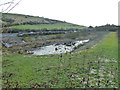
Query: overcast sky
x=82 y=12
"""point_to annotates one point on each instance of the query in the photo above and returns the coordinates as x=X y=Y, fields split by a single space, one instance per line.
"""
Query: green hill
x=23 y=22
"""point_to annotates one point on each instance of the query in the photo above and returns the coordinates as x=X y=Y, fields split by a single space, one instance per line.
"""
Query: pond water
x=57 y=49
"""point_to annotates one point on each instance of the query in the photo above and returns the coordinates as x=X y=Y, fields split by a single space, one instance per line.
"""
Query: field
x=63 y=26
x=93 y=67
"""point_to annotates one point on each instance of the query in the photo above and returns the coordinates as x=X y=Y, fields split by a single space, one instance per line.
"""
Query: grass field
x=95 y=67
x=63 y=26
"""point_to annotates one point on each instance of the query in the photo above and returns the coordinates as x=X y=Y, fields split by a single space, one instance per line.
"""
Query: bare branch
x=14 y=6
x=8 y=6
x=6 y=3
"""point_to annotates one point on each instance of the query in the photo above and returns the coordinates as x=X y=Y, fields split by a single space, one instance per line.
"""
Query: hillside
x=19 y=21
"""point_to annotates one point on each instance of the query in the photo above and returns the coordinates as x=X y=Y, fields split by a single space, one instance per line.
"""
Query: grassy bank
x=95 y=67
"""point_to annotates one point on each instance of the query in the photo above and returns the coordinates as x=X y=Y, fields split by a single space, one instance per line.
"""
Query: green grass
x=63 y=26
x=64 y=70
x=109 y=46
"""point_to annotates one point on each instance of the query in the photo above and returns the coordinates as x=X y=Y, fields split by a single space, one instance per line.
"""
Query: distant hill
x=19 y=21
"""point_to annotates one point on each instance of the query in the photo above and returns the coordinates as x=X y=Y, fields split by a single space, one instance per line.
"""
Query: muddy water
x=57 y=49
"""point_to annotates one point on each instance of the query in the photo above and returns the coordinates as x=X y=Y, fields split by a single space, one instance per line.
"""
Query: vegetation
x=94 y=67
x=62 y=26
x=85 y=67
x=18 y=21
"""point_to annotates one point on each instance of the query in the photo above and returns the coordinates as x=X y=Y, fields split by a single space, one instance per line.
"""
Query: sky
x=81 y=12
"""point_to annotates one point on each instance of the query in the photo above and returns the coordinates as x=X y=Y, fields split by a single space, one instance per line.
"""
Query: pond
x=57 y=49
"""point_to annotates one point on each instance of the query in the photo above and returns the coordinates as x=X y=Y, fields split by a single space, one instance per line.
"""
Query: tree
x=90 y=27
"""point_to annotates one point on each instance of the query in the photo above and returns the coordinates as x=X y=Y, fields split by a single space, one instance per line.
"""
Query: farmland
x=94 y=67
